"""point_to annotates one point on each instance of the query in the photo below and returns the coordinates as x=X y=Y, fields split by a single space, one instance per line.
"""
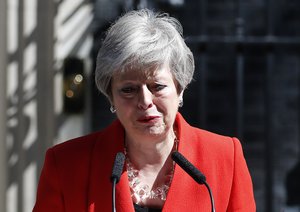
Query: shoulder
x=84 y=145
x=218 y=150
x=74 y=152
x=219 y=145
x=76 y=145
x=209 y=144
x=206 y=138
x=212 y=138
x=194 y=133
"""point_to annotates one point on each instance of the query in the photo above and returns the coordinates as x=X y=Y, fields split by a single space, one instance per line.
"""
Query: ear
x=180 y=96
x=110 y=100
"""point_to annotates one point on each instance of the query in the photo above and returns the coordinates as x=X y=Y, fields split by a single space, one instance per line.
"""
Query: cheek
x=123 y=106
x=123 y=113
x=167 y=105
x=122 y=102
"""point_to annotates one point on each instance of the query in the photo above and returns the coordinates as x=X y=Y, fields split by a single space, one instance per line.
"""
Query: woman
x=143 y=68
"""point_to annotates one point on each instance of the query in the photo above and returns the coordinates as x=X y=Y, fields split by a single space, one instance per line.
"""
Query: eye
x=158 y=87
x=129 y=90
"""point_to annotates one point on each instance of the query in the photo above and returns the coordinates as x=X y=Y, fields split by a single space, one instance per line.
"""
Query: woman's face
x=146 y=104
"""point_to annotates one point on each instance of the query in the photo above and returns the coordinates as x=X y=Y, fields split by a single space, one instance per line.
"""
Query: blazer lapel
x=185 y=194
x=108 y=143
x=123 y=196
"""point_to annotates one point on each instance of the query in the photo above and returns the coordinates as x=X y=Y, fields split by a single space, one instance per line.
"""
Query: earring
x=112 y=109
x=180 y=103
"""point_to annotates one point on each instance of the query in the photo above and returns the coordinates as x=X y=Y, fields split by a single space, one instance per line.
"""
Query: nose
x=145 y=99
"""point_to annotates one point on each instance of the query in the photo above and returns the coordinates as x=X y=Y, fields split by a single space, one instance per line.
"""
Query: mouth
x=148 y=119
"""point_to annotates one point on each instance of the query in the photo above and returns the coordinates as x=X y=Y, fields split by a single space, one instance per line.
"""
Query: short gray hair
x=141 y=40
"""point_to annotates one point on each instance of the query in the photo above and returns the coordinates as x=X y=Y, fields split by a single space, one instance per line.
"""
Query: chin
x=157 y=130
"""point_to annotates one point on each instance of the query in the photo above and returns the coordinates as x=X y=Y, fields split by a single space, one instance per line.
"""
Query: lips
x=147 y=119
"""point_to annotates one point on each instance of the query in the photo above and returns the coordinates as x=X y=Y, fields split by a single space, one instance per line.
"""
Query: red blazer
x=76 y=174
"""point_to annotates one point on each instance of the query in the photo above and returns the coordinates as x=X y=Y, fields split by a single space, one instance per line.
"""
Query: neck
x=150 y=167
x=149 y=153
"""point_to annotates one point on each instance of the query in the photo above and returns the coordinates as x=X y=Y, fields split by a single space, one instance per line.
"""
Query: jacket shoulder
x=74 y=155
x=196 y=135
x=215 y=148
x=213 y=139
x=80 y=150
x=76 y=146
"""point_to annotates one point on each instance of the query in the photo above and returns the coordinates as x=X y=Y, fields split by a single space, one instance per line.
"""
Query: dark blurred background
x=246 y=84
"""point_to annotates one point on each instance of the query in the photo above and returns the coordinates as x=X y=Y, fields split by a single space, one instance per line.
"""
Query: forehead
x=144 y=75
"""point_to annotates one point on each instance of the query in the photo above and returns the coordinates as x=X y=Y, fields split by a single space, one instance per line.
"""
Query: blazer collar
x=109 y=142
